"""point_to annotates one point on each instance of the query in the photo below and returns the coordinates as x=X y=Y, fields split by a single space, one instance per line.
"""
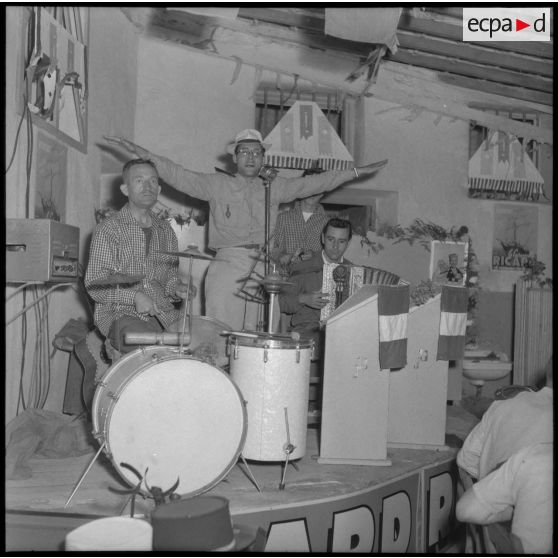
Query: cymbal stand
x=186 y=306
x=268 y=175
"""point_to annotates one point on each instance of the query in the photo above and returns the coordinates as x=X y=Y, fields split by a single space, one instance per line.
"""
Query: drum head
x=178 y=418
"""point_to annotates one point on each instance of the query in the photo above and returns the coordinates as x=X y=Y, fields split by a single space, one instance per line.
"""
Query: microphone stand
x=268 y=175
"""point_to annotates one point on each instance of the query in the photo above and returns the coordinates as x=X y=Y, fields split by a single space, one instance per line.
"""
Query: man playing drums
x=134 y=285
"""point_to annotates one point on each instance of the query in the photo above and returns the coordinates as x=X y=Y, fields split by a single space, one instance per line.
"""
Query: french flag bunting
x=453 y=322
x=393 y=312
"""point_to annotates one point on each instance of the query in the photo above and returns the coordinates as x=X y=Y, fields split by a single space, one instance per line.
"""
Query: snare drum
x=273 y=375
x=177 y=416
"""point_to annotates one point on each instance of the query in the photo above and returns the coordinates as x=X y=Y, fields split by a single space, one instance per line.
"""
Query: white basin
x=478 y=368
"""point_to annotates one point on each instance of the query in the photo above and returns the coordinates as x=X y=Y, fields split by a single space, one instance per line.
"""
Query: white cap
x=111 y=533
x=246 y=136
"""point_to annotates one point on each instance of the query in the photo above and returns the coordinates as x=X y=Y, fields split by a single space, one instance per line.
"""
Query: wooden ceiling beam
x=468 y=69
x=295 y=35
x=291 y=18
x=444 y=30
x=498 y=89
x=474 y=53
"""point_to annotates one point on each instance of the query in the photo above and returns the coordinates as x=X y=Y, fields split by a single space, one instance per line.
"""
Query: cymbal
x=118 y=279
x=272 y=284
x=191 y=252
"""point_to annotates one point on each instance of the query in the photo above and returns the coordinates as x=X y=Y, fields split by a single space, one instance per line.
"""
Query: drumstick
x=85 y=473
x=294 y=335
x=240 y=334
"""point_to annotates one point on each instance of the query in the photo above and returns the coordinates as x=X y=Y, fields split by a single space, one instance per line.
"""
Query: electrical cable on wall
x=21 y=398
x=58 y=285
x=24 y=286
x=49 y=370
x=41 y=375
x=29 y=161
x=23 y=114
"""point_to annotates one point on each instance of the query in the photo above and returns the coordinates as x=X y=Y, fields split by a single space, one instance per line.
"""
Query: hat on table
x=202 y=523
x=248 y=135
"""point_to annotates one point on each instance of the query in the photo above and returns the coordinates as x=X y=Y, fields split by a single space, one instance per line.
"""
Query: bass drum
x=175 y=416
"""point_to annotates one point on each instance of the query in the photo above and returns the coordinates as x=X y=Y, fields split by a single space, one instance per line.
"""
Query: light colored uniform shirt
x=521 y=489
x=237 y=204
x=506 y=427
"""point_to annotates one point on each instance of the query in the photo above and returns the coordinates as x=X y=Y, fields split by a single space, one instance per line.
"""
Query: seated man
x=506 y=427
x=519 y=490
x=305 y=299
x=131 y=243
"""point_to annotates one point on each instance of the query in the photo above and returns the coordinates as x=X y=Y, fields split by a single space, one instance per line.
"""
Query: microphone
x=268 y=173
x=340 y=278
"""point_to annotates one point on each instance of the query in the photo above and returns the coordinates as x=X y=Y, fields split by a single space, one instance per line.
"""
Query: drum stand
x=288 y=448
x=84 y=474
x=250 y=474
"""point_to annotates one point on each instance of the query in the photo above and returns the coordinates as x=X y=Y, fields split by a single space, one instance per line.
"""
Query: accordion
x=343 y=280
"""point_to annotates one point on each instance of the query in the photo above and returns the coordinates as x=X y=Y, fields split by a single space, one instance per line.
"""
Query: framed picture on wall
x=448 y=262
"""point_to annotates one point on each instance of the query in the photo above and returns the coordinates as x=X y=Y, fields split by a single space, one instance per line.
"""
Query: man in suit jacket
x=305 y=299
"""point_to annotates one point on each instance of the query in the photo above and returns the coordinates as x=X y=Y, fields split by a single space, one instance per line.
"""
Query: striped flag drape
x=393 y=312
x=453 y=322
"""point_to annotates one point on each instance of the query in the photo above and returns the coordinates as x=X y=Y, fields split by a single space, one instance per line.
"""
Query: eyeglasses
x=243 y=152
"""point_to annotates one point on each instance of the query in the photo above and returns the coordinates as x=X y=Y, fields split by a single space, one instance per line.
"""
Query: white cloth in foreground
x=506 y=427
x=521 y=489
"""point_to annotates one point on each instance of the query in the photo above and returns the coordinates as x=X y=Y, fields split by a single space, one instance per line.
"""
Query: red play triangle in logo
x=519 y=25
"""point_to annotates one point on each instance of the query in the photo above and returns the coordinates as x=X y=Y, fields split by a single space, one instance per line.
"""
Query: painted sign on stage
x=413 y=514
x=440 y=494
x=380 y=519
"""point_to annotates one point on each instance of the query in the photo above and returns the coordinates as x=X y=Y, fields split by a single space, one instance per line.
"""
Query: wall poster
x=515 y=236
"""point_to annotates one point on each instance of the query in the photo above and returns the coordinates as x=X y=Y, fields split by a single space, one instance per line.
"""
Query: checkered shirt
x=118 y=246
x=293 y=232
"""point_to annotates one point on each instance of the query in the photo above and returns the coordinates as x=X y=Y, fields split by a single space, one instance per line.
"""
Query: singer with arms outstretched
x=237 y=216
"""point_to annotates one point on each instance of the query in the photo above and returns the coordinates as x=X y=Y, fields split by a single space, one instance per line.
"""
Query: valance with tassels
x=501 y=169
x=305 y=139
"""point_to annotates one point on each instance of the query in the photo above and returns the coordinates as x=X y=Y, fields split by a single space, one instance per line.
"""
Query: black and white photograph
x=278 y=278
x=448 y=262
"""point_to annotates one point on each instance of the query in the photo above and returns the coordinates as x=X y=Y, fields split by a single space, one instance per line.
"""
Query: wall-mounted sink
x=480 y=366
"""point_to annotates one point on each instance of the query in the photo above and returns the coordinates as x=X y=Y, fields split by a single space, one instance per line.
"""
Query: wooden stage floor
x=53 y=480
